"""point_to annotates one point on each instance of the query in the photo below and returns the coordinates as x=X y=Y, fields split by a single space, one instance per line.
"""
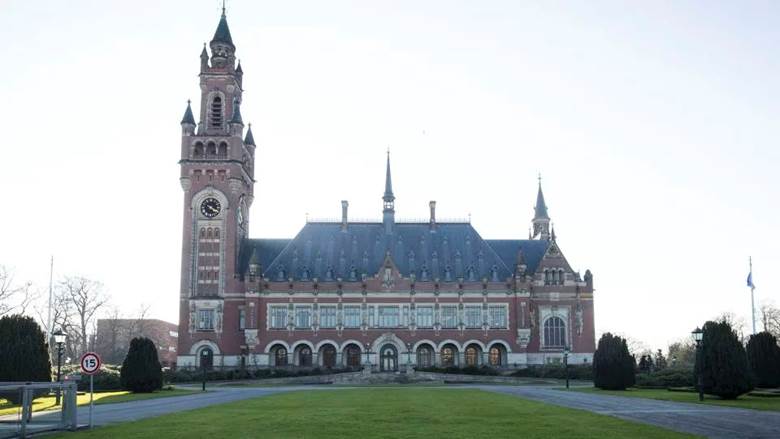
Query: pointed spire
x=222 y=33
x=239 y=70
x=388 y=213
x=388 y=181
x=249 y=139
x=552 y=232
x=540 y=211
x=188 y=117
x=204 y=54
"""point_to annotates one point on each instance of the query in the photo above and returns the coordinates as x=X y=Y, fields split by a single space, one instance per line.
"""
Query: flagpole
x=752 y=296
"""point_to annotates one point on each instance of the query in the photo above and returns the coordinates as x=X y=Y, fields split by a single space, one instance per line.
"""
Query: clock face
x=210 y=207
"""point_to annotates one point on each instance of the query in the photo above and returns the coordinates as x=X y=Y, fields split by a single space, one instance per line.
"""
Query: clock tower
x=217 y=176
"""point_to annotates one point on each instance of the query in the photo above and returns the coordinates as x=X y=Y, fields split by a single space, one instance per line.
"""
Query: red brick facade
x=392 y=292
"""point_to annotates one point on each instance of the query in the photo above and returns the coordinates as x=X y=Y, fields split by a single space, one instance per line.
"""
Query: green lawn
x=744 y=401
x=382 y=413
x=47 y=402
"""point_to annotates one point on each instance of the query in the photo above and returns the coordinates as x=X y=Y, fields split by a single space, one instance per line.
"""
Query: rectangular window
x=425 y=317
x=241 y=319
x=449 y=316
x=351 y=316
x=371 y=316
x=327 y=316
x=389 y=316
x=405 y=315
x=206 y=319
x=473 y=318
x=278 y=316
x=302 y=317
x=497 y=316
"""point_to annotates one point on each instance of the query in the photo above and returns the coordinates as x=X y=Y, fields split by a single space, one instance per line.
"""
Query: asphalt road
x=704 y=420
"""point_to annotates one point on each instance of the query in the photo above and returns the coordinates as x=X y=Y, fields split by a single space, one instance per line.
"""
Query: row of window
x=553 y=276
x=353 y=274
x=389 y=316
x=209 y=233
x=210 y=150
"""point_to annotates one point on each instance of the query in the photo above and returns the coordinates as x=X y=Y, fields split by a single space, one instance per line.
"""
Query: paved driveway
x=706 y=420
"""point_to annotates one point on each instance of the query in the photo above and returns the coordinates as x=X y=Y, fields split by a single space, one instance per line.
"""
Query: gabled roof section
x=263 y=250
x=507 y=249
x=454 y=251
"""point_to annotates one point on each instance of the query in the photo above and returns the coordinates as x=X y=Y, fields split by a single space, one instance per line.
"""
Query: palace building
x=388 y=294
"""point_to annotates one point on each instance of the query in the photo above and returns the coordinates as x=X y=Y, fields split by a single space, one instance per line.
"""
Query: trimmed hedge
x=194 y=375
x=665 y=378
x=106 y=379
x=576 y=372
x=468 y=370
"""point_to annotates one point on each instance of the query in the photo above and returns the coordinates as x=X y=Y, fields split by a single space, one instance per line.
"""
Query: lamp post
x=408 y=355
x=368 y=359
x=203 y=355
x=59 y=339
x=697 y=335
x=566 y=363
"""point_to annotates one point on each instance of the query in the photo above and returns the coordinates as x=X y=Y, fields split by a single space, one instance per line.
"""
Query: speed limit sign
x=90 y=363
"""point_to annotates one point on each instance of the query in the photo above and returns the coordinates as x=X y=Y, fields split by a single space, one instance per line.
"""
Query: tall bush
x=722 y=362
x=764 y=359
x=24 y=352
x=141 y=371
x=613 y=365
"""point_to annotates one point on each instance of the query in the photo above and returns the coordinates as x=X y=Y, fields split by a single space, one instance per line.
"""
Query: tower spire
x=388 y=213
x=541 y=220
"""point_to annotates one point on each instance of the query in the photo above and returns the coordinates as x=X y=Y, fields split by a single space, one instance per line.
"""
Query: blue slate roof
x=454 y=250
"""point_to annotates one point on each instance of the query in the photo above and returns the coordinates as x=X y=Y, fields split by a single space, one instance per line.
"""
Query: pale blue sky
x=654 y=124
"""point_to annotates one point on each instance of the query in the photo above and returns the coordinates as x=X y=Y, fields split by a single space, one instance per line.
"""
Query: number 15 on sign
x=90 y=365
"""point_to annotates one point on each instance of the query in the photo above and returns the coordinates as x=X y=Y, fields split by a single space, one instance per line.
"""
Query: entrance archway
x=206 y=358
x=352 y=353
x=328 y=353
x=388 y=358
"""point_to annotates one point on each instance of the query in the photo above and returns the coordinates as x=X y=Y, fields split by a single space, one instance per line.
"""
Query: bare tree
x=738 y=324
x=682 y=353
x=14 y=297
x=138 y=328
x=770 y=318
x=85 y=298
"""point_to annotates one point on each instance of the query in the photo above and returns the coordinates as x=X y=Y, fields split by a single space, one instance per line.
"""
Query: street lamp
x=566 y=350
x=59 y=339
x=368 y=351
x=203 y=355
x=408 y=355
x=697 y=335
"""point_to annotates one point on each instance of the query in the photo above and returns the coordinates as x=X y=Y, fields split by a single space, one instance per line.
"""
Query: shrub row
x=577 y=372
x=190 y=375
x=665 y=378
x=468 y=370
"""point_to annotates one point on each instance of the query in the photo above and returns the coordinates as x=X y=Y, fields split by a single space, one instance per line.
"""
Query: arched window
x=494 y=274
x=447 y=274
x=448 y=354
x=215 y=114
x=202 y=232
x=222 y=153
x=554 y=333
x=216 y=233
x=210 y=233
x=206 y=358
x=211 y=150
x=495 y=356
x=424 y=356
x=353 y=356
x=329 y=356
x=304 y=356
x=546 y=277
x=560 y=277
x=198 y=152
x=280 y=356
x=472 y=356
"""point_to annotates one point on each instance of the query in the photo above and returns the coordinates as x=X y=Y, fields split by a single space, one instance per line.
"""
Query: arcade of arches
x=389 y=357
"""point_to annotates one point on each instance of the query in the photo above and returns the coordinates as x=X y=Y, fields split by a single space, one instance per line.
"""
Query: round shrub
x=764 y=358
x=141 y=371
x=23 y=353
x=722 y=362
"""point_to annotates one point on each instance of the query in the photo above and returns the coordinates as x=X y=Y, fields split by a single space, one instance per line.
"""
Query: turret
x=188 y=121
x=222 y=49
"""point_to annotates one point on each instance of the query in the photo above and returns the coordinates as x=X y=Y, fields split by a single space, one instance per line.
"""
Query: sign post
x=90 y=365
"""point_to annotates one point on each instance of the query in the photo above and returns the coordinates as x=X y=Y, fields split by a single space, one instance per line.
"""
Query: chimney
x=432 y=204
x=344 y=206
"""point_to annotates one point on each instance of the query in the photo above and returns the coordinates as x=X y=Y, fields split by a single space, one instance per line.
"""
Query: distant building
x=112 y=339
x=386 y=293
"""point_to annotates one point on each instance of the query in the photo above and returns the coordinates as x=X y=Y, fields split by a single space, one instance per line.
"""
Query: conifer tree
x=141 y=371
x=764 y=359
x=24 y=352
x=613 y=366
x=722 y=362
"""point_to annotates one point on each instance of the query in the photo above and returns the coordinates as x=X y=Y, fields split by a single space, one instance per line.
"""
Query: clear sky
x=654 y=124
